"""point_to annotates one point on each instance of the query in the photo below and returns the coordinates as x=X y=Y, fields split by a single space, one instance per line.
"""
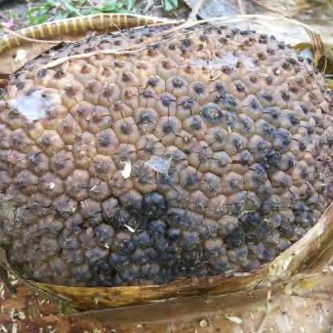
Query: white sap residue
x=159 y=164
x=307 y=54
x=248 y=63
x=129 y=228
x=126 y=172
x=229 y=59
x=32 y=106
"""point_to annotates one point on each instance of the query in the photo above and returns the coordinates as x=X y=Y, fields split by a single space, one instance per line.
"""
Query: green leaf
x=80 y=2
x=51 y=3
x=33 y=10
x=112 y=7
x=13 y=15
x=71 y=8
x=169 y=5
x=31 y=18
x=41 y=19
x=130 y=4
x=90 y=10
x=37 y=15
x=60 y=15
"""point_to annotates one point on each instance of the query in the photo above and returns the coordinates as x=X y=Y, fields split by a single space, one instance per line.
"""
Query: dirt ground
x=16 y=10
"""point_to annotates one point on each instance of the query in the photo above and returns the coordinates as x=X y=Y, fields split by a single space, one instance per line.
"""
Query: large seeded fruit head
x=145 y=156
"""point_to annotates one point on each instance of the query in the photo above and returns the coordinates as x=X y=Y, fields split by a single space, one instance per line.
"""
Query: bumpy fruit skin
x=195 y=153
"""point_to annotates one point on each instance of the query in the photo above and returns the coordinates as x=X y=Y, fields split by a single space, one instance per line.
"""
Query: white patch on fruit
x=32 y=106
x=230 y=60
x=248 y=63
x=126 y=172
x=307 y=54
x=160 y=164
x=129 y=228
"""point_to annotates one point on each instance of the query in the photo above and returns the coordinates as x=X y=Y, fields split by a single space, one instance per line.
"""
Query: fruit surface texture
x=153 y=154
